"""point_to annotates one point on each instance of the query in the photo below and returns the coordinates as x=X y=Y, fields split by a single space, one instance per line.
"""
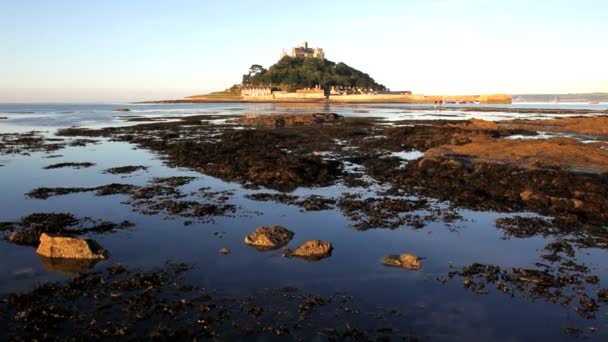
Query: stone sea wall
x=486 y=99
x=280 y=96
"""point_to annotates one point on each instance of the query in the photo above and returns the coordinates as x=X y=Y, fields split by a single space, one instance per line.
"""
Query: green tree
x=296 y=73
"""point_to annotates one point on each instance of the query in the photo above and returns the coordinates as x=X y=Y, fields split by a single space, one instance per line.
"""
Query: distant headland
x=304 y=75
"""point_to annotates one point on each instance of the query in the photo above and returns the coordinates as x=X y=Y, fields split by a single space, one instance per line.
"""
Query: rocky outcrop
x=554 y=153
x=311 y=250
x=583 y=125
x=407 y=261
x=66 y=247
x=121 y=110
x=269 y=238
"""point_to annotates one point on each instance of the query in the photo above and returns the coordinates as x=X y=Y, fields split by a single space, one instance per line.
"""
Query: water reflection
x=67 y=266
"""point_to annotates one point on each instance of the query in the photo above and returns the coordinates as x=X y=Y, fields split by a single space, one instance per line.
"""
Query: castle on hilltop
x=305 y=52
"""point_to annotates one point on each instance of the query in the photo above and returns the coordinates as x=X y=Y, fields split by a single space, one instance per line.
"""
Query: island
x=304 y=75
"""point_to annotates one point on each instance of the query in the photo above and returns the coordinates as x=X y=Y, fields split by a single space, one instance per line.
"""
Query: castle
x=305 y=52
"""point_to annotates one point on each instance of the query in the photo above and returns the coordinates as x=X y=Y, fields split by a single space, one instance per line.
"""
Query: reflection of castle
x=305 y=52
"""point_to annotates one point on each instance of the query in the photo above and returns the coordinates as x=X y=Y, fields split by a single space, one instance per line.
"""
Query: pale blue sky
x=125 y=50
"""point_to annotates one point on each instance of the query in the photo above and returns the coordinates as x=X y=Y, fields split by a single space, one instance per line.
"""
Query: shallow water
x=431 y=307
x=23 y=117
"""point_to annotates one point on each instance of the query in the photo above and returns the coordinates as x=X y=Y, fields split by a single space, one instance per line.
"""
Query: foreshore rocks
x=573 y=198
x=407 y=261
x=67 y=247
x=584 y=125
x=554 y=153
x=563 y=174
x=289 y=120
x=120 y=303
x=311 y=250
x=269 y=238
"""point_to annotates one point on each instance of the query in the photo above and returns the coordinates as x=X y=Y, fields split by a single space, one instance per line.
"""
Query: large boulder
x=407 y=261
x=269 y=238
x=66 y=247
x=312 y=250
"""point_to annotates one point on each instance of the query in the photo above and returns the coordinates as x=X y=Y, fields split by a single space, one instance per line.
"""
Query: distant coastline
x=557 y=98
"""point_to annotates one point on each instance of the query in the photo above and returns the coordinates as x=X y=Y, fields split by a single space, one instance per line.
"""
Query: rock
x=482 y=124
x=408 y=261
x=224 y=250
x=121 y=110
x=269 y=238
x=312 y=250
x=65 y=247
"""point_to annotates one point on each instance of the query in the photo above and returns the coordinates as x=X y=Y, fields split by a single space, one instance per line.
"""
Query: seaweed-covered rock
x=66 y=247
x=268 y=238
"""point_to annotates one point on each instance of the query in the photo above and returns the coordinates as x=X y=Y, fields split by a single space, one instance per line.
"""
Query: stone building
x=305 y=52
x=256 y=91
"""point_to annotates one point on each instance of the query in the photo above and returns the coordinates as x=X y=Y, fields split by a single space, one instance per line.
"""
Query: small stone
x=269 y=238
x=314 y=250
x=408 y=261
x=224 y=250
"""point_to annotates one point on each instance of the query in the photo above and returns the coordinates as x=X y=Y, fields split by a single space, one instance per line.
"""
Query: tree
x=296 y=73
x=254 y=70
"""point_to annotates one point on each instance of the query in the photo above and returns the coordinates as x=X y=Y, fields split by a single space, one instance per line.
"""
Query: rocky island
x=305 y=76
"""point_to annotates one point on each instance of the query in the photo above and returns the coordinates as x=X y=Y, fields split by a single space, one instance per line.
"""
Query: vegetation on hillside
x=291 y=73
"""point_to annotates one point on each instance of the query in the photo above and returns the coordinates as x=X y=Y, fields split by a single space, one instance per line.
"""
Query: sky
x=130 y=50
